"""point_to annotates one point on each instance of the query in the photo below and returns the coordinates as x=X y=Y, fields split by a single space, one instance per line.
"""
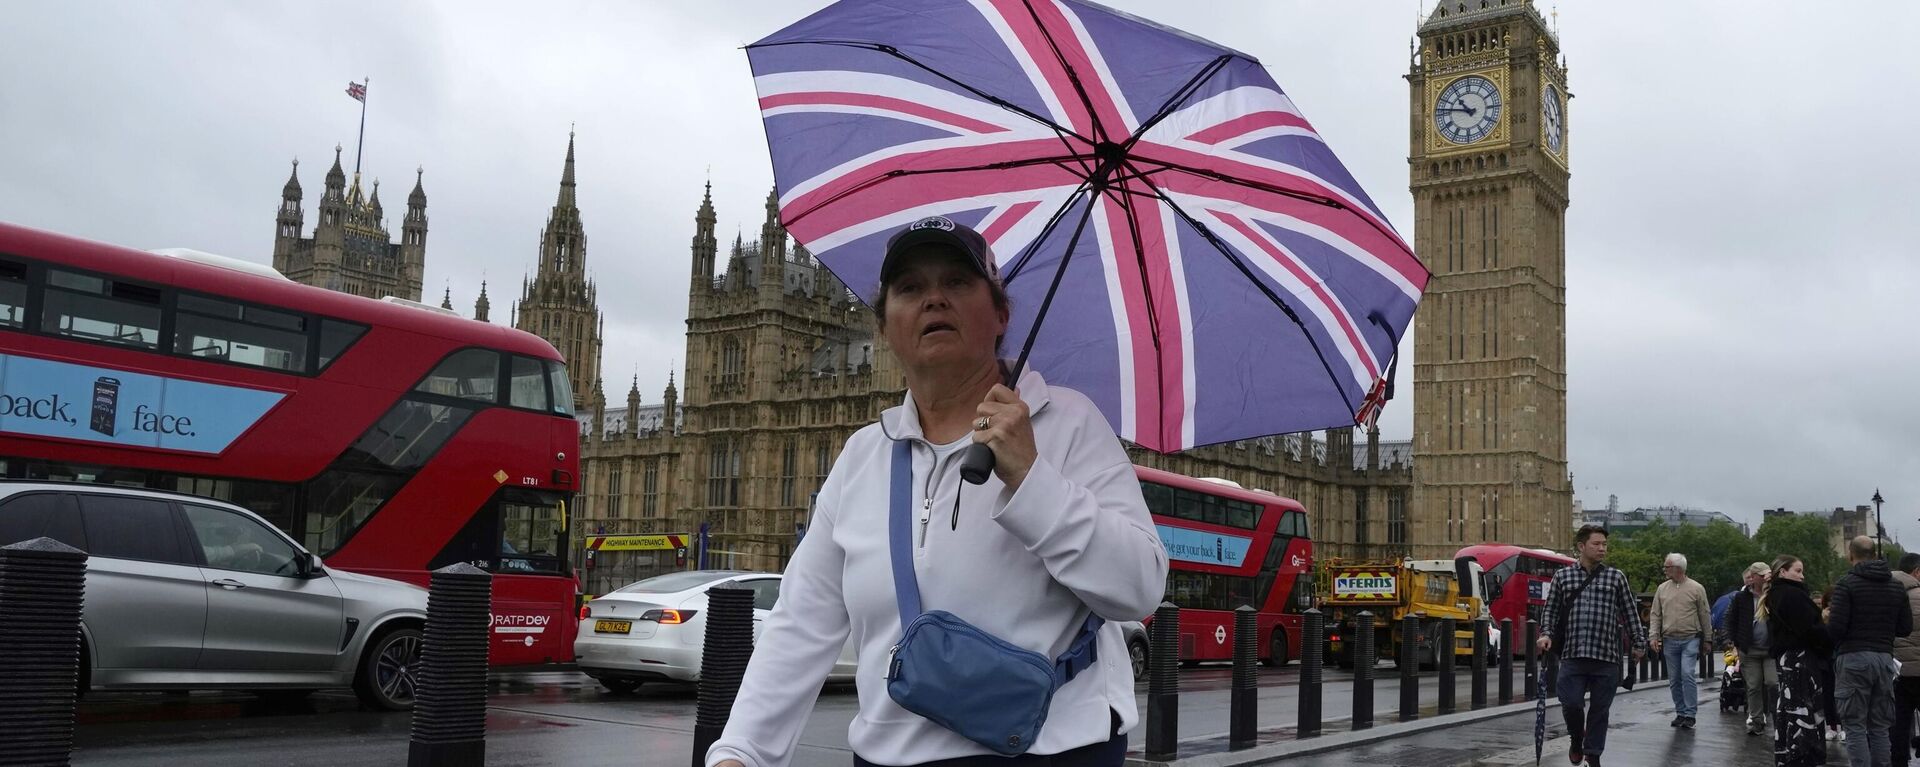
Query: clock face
x=1551 y=118
x=1467 y=110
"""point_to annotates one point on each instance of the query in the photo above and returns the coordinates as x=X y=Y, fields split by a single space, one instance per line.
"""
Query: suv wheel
x=1137 y=652
x=388 y=673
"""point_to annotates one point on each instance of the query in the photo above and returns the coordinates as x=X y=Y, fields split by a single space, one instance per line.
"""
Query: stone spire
x=292 y=190
x=633 y=407
x=373 y=202
x=336 y=178
x=446 y=300
x=669 y=400
x=480 y=305
x=566 y=177
x=705 y=246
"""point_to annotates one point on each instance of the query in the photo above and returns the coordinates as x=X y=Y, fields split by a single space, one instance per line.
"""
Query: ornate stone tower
x=1488 y=160
x=350 y=250
x=560 y=304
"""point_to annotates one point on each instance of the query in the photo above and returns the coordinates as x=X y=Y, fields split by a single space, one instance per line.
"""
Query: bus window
x=527 y=386
x=99 y=309
x=335 y=337
x=1243 y=515
x=529 y=533
x=13 y=294
x=562 y=389
x=468 y=374
x=249 y=335
x=1159 y=498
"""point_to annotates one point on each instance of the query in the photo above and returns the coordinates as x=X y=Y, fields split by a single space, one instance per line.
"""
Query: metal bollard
x=1163 y=685
x=1363 y=661
x=450 y=706
x=1448 y=702
x=1410 y=668
x=42 y=588
x=1246 y=679
x=1706 y=662
x=1313 y=650
x=1507 y=638
x=1479 y=666
x=727 y=647
x=1533 y=659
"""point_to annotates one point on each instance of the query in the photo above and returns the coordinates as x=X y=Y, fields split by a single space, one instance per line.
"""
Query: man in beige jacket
x=1680 y=617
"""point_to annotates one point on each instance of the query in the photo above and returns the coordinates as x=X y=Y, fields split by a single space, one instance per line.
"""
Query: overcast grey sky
x=1739 y=247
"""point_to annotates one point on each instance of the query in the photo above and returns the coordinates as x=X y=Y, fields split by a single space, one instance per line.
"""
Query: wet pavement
x=564 y=718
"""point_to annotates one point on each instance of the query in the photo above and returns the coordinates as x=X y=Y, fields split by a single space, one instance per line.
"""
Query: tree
x=1716 y=554
x=1806 y=537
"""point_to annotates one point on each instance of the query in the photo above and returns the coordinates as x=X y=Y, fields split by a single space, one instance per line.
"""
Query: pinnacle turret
x=292 y=190
x=446 y=300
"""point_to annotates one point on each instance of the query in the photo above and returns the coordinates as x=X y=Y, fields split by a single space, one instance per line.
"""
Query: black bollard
x=1533 y=659
x=727 y=647
x=1507 y=638
x=42 y=588
x=1447 y=661
x=1313 y=650
x=1246 y=679
x=1163 y=685
x=1659 y=664
x=1363 y=660
x=1479 y=666
x=450 y=703
x=1410 y=668
x=1706 y=662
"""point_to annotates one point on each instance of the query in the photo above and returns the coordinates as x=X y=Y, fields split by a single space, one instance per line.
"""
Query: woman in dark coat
x=1798 y=642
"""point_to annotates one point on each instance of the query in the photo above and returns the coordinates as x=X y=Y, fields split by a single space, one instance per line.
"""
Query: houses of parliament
x=783 y=365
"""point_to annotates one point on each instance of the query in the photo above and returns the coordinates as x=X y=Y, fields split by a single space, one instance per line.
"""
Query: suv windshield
x=671 y=582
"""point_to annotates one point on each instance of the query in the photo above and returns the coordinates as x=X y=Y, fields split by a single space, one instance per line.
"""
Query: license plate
x=612 y=627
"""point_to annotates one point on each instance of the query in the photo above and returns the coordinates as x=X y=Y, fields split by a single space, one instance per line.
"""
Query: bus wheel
x=1277 y=649
x=1137 y=652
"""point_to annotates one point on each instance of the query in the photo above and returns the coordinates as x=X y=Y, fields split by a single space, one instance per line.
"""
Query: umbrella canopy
x=1205 y=268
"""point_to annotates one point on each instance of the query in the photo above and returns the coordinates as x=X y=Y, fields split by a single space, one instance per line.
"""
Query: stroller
x=1733 y=684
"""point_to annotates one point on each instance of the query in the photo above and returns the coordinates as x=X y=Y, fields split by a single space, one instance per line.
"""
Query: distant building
x=351 y=249
x=1619 y=521
x=1842 y=523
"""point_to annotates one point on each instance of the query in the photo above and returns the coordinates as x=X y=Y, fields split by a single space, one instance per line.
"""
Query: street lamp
x=1878 y=531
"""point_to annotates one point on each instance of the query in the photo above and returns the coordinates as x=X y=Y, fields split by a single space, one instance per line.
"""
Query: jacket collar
x=903 y=421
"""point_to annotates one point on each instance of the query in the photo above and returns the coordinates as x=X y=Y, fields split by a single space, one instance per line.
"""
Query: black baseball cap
x=940 y=230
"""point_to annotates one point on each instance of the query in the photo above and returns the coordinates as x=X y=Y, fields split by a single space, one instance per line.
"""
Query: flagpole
x=362 y=142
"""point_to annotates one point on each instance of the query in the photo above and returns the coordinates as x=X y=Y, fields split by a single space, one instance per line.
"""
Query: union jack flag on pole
x=358 y=91
x=1221 y=275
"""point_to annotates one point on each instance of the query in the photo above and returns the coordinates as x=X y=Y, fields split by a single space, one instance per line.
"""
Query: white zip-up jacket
x=1025 y=565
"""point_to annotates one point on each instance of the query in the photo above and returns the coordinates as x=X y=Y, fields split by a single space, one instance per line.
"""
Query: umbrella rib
x=1247 y=271
x=1179 y=97
x=1020 y=365
x=1079 y=89
x=896 y=53
x=899 y=173
x=1285 y=192
x=1026 y=254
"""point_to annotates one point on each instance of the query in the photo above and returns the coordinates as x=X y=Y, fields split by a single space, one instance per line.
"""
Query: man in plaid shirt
x=1590 y=643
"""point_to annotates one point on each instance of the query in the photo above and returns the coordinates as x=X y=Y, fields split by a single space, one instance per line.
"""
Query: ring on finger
x=981 y=423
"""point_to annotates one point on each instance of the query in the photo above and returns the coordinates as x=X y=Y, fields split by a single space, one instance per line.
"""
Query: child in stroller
x=1733 y=684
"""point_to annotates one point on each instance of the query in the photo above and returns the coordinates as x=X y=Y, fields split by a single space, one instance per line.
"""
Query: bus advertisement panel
x=390 y=439
x=1227 y=547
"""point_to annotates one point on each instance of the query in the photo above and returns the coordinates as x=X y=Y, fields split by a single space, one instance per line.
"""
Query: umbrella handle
x=977 y=464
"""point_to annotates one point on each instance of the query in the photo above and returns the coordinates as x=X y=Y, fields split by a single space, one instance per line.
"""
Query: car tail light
x=586 y=611
x=668 y=617
x=1333 y=638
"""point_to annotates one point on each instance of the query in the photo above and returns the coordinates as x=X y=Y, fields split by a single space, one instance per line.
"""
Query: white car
x=653 y=630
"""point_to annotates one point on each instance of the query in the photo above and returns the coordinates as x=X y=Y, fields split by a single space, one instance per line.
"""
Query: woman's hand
x=1002 y=423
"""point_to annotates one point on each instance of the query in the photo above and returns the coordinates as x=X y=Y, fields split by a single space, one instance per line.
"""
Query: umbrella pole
x=979 y=461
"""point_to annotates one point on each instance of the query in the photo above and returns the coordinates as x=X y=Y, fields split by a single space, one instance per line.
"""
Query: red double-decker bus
x=390 y=439
x=1517 y=583
x=1226 y=547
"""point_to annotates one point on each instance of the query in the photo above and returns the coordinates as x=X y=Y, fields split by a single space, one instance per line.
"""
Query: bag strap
x=906 y=584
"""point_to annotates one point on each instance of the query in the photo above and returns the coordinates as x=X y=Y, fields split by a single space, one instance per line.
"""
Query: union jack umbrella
x=1207 y=269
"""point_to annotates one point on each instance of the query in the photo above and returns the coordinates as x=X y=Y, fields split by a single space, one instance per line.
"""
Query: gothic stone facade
x=1490 y=199
x=350 y=249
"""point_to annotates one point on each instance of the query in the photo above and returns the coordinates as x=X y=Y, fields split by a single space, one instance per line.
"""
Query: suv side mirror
x=303 y=564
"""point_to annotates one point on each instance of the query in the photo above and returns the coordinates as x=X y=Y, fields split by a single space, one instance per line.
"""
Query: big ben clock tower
x=1488 y=161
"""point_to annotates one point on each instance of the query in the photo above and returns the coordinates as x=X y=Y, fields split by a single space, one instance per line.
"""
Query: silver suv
x=186 y=592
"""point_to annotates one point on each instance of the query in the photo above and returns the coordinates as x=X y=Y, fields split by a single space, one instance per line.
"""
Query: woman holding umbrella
x=1056 y=539
x=1797 y=640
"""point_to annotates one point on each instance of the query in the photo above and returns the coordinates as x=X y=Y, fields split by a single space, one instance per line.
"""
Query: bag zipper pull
x=893 y=666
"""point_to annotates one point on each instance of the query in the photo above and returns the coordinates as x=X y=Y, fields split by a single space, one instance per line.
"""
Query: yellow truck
x=1433 y=589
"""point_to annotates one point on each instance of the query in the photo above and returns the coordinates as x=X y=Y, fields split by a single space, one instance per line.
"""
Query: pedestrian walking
x=1906 y=650
x=1587 y=603
x=1747 y=625
x=1679 y=618
x=1868 y=610
x=1056 y=539
x=1796 y=640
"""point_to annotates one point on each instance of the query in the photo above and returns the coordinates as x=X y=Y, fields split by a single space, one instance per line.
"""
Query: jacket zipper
x=926 y=502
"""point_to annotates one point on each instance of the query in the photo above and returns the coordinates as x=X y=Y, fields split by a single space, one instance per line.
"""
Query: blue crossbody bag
x=951 y=672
